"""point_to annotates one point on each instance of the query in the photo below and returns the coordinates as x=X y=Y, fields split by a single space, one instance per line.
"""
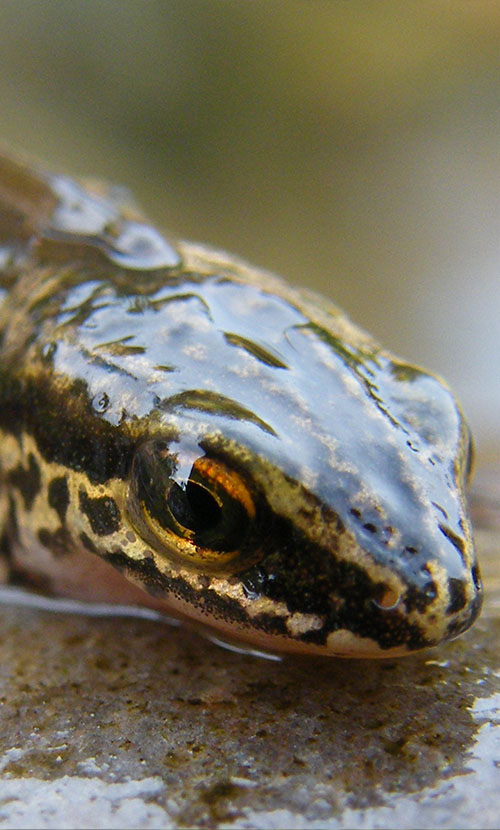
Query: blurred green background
x=350 y=146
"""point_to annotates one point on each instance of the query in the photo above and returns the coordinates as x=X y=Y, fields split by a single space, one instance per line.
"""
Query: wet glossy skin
x=235 y=447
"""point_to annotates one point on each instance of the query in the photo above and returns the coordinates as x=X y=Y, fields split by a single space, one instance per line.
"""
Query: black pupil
x=194 y=507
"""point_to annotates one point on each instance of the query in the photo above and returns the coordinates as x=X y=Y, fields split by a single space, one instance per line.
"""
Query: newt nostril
x=389 y=599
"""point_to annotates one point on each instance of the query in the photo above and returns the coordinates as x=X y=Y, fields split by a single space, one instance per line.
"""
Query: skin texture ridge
x=183 y=431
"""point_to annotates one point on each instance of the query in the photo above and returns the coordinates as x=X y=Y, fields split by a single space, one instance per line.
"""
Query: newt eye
x=204 y=519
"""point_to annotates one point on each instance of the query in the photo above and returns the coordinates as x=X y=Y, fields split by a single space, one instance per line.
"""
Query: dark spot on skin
x=458 y=596
x=441 y=510
x=27 y=480
x=102 y=513
x=331 y=518
x=12 y=520
x=59 y=541
x=476 y=577
x=204 y=400
x=418 y=598
x=44 y=537
x=256 y=350
x=88 y=543
x=5 y=547
x=161 y=367
x=370 y=527
x=59 y=496
x=411 y=549
x=463 y=621
x=455 y=540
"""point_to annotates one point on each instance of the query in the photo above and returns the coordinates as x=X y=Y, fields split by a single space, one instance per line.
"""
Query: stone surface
x=122 y=722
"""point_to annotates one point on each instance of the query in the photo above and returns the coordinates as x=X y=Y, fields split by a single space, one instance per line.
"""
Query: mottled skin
x=236 y=448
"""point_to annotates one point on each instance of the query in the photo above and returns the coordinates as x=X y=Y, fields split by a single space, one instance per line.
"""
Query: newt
x=183 y=431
